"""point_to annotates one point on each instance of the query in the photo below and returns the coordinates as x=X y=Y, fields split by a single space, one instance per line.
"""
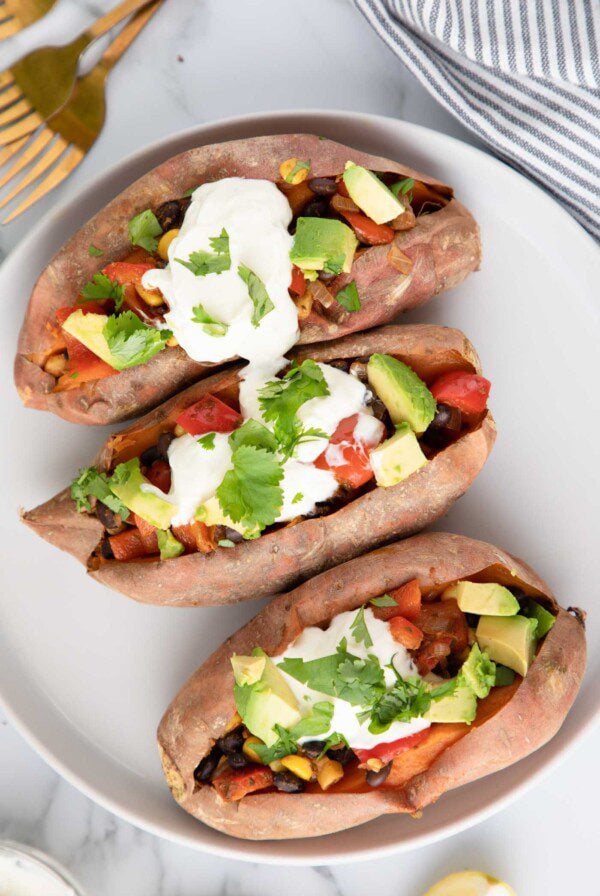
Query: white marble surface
x=200 y=60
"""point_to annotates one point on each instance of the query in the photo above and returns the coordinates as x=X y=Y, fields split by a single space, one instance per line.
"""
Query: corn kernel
x=248 y=750
x=56 y=365
x=328 y=772
x=165 y=241
x=153 y=297
x=276 y=766
x=299 y=175
x=179 y=430
x=299 y=766
x=172 y=342
x=236 y=719
x=374 y=765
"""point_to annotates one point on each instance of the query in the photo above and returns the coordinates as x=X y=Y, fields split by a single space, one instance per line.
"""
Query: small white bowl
x=25 y=871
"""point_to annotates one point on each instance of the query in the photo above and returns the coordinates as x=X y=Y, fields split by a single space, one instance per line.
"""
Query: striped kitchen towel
x=524 y=75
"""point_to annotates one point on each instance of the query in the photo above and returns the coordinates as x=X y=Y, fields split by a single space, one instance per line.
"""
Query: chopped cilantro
x=226 y=543
x=348 y=297
x=168 y=544
x=359 y=629
x=210 y=325
x=299 y=166
x=101 y=288
x=408 y=699
x=250 y=493
x=280 y=399
x=253 y=433
x=207 y=441
x=284 y=746
x=258 y=294
x=144 y=230
x=90 y=482
x=359 y=682
x=93 y=250
x=402 y=187
x=297 y=498
x=131 y=341
x=312 y=725
x=384 y=601
x=201 y=263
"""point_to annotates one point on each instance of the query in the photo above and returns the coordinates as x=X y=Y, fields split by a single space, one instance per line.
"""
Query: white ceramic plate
x=85 y=674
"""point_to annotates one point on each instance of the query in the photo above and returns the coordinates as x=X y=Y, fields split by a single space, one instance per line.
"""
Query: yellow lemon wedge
x=470 y=883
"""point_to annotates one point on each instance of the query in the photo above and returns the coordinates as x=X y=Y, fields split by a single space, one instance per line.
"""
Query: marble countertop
x=196 y=61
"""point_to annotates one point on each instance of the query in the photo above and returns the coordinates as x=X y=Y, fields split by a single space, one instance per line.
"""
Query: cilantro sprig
x=92 y=483
x=359 y=629
x=258 y=294
x=131 y=341
x=250 y=493
x=349 y=298
x=358 y=681
x=202 y=263
x=144 y=230
x=386 y=600
x=315 y=724
x=210 y=325
x=280 y=400
x=100 y=288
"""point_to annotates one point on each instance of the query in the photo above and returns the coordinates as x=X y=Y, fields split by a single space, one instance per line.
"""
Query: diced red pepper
x=128 y=545
x=466 y=391
x=159 y=474
x=408 y=602
x=232 y=786
x=125 y=272
x=81 y=360
x=405 y=633
x=210 y=414
x=195 y=536
x=368 y=231
x=342 y=188
x=148 y=534
x=298 y=284
x=347 y=458
x=387 y=752
x=444 y=618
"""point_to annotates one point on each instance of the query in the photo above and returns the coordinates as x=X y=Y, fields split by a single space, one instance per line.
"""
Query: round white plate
x=85 y=674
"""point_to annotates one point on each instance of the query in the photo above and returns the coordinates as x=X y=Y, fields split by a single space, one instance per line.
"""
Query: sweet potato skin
x=282 y=558
x=444 y=248
x=203 y=707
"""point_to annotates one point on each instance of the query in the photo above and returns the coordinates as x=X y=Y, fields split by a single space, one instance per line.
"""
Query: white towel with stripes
x=522 y=74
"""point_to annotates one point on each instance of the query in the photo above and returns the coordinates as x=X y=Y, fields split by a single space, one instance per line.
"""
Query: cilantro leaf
x=335 y=264
x=297 y=498
x=90 y=482
x=210 y=325
x=250 y=493
x=93 y=250
x=168 y=545
x=143 y=230
x=384 y=601
x=131 y=341
x=402 y=187
x=284 y=746
x=348 y=297
x=357 y=681
x=207 y=441
x=299 y=166
x=359 y=629
x=201 y=263
x=101 y=288
x=318 y=722
x=253 y=433
x=280 y=400
x=258 y=294
x=408 y=699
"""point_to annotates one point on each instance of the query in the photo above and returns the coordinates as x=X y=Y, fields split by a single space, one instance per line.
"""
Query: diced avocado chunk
x=404 y=394
x=371 y=195
x=483 y=598
x=267 y=702
x=397 y=458
x=87 y=329
x=247 y=669
x=504 y=676
x=478 y=672
x=545 y=619
x=168 y=545
x=126 y=483
x=458 y=706
x=319 y=241
x=509 y=640
x=211 y=513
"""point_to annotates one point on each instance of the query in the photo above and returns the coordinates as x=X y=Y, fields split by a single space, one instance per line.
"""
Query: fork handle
x=129 y=33
x=112 y=18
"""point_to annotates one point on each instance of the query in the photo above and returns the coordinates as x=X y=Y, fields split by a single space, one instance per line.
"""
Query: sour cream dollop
x=314 y=643
x=256 y=216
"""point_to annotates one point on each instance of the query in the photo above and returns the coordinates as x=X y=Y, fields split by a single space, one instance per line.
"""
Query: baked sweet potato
x=511 y=722
x=283 y=556
x=440 y=248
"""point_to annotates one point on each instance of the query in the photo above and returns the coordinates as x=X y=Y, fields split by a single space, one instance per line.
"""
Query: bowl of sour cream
x=26 y=872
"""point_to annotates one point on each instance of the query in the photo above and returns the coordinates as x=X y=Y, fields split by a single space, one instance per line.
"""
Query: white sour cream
x=304 y=486
x=24 y=872
x=314 y=643
x=256 y=216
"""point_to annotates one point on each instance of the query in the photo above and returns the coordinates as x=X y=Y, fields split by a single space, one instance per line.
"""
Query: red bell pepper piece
x=368 y=231
x=82 y=360
x=347 y=458
x=148 y=534
x=408 y=602
x=466 y=391
x=405 y=633
x=232 y=786
x=298 y=284
x=195 y=536
x=127 y=545
x=210 y=414
x=387 y=752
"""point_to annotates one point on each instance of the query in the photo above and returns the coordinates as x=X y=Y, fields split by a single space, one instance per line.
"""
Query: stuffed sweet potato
x=237 y=488
x=106 y=336
x=373 y=689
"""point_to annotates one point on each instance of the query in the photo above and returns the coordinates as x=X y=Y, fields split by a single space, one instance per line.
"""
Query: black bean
x=342 y=754
x=379 y=409
x=158 y=451
x=148 y=456
x=206 y=767
x=106 y=550
x=518 y=593
x=445 y=425
x=316 y=208
x=342 y=364
x=323 y=186
x=110 y=520
x=313 y=748
x=233 y=535
x=232 y=742
x=326 y=276
x=288 y=783
x=237 y=760
x=375 y=779
x=171 y=213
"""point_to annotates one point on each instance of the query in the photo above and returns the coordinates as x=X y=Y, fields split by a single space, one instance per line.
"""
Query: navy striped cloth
x=524 y=75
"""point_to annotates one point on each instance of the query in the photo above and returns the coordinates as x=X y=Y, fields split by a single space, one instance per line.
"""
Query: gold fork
x=67 y=135
x=36 y=86
x=18 y=14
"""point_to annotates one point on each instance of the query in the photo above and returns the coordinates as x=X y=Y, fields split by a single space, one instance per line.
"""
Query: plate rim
x=229 y=848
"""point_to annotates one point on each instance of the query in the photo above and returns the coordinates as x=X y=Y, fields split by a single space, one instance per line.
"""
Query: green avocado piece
x=483 y=598
x=247 y=669
x=87 y=329
x=371 y=195
x=397 y=458
x=404 y=394
x=168 y=545
x=321 y=240
x=478 y=672
x=545 y=619
x=509 y=640
x=126 y=483
x=268 y=702
x=458 y=706
x=211 y=513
